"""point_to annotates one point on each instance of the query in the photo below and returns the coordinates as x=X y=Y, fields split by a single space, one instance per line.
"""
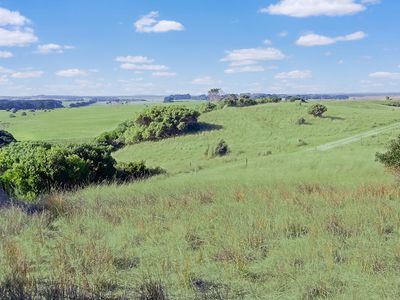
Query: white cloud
x=143 y=67
x=254 y=54
x=134 y=59
x=164 y=74
x=313 y=39
x=385 y=75
x=206 y=80
x=27 y=74
x=246 y=69
x=13 y=18
x=71 y=73
x=17 y=37
x=296 y=74
x=241 y=63
x=5 y=70
x=283 y=34
x=267 y=42
x=308 y=8
x=52 y=48
x=149 y=23
x=6 y=54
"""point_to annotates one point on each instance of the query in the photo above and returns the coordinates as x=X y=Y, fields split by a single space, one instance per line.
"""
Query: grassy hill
x=273 y=219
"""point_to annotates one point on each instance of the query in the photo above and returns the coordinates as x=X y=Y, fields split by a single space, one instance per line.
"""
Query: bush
x=301 y=121
x=30 y=169
x=317 y=110
x=24 y=114
x=208 y=107
x=12 y=116
x=6 y=138
x=272 y=99
x=135 y=170
x=161 y=122
x=391 y=159
x=221 y=149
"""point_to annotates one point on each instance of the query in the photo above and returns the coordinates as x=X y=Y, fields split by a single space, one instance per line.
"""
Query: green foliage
x=6 y=138
x=221 y=149
x=301 y=121
x=161 y=122
x=24 y=114
x=391 y=158
x=235 y=101
x=134 y=170
x=271 y=99
x=29 y=169
x=208 y=107
x=317 y=110
x=12 y=116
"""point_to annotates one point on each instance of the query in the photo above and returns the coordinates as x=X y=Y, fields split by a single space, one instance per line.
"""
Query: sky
x=162 y=47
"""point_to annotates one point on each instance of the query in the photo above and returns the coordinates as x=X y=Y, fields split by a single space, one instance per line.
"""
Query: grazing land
x=275 y=218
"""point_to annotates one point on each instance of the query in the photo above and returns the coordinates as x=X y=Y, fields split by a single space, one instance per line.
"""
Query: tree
x=215 y=94
x=391 y=158
x=6 y=138
x=317 y=110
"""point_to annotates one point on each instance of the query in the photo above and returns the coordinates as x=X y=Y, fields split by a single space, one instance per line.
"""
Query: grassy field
x=275 y=219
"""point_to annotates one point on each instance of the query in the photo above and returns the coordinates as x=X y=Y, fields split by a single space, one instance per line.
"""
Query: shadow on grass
x=332 y=118
x=201 y=126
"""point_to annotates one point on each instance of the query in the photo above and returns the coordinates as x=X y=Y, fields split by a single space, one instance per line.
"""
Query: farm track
x=355 y=138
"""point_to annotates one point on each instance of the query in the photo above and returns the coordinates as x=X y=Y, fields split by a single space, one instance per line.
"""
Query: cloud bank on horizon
x=286 y=46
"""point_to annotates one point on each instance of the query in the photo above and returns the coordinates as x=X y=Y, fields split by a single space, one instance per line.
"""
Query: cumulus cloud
x=309 y=8
x=27 y=74
x=13 y=18
x=6 y=54
x=143 y=67
x=149 y=23
x=246 y=69
x=254 y=54
x=53 y=48
x=313 y=39
x=17 y=37
x=385 y=75
x=296 y=74
x=134 y=59
x=164 y=74
x=206 y=80
x=71 y=73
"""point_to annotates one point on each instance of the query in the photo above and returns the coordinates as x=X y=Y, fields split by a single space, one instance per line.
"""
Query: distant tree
x=317 y=110
x=215 y=94
x=6 y=138
x=391 y=158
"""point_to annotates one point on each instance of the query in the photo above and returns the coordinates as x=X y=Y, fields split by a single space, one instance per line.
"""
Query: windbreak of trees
x=82 y=103
x=29 y=104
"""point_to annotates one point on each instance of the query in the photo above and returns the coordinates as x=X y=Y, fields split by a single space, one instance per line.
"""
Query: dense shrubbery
x=29 y=104
x=153 y=124
x=136 y=170
x=272 y=99
x=6 y=138
x=29 y=169
x=208 y=107
x=391 y=159
x=221 y=149
x=317 y=110
x=82 y=103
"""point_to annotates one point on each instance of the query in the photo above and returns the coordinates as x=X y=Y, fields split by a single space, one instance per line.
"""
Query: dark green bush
x=29 y=169
x=6 y=138
x=208 y=107
x=12 y=116
x=272 y=99
x=301 y=121
x=161 y=122
x=391 y=158
x=221 y=149
x=317 y=110
x=136 y=170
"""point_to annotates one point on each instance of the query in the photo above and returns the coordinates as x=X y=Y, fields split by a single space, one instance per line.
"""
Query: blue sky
x=132 y=47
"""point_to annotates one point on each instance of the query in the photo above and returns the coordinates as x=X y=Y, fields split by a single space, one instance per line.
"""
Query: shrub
x=135 y=170
x=24 y=114
x=6 y=138
x=208 y=107
x=272 y=99
x=317 y=110
x=161 y=122
x=301 y=121
x=391 y=159
x=221 y=149
x=12 y=116
x=29 y=169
